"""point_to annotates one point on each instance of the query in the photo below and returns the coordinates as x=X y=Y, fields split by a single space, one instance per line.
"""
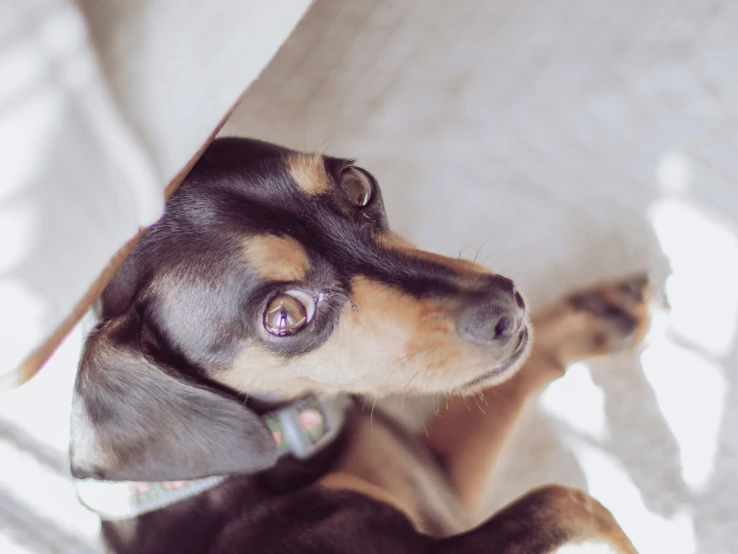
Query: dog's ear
x=119 y=293
x=133 y=419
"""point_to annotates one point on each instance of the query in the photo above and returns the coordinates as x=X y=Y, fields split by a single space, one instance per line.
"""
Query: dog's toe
x=597 y=321
x=620 y=305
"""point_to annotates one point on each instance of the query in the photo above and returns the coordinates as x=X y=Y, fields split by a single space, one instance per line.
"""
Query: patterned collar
x=300 y=429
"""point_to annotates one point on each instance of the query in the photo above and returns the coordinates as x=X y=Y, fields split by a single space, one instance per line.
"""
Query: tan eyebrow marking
x=276 y=258
x=308 y=171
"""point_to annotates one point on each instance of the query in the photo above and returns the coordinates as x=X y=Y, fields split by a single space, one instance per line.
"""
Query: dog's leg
x=468 y=435
x=542 y=521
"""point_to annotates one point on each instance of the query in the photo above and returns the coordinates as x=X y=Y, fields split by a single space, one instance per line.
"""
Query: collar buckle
x=307 y=426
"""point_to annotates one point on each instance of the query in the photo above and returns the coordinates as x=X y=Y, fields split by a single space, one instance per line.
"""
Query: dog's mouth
x=502 y=367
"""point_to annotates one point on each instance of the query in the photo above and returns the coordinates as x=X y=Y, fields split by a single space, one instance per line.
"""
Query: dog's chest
x=393 y=466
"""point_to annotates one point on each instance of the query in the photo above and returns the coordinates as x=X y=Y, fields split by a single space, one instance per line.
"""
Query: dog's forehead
x=265 y=169
x=282 y=209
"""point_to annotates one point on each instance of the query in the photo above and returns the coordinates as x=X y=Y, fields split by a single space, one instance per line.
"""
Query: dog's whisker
x=421 y=386
x=466 y=402
x=482 y=246
x=245 y=399
x=388 y=373
x=434 y=374
x=499 y=235
x=404 y=390
x=461 y=250
x=497 y=259
x=428 y=374
x=406 y=357
x=328 y=140
x=371 y=415
x=422 y=422
x=476 y=400
x=486 y=258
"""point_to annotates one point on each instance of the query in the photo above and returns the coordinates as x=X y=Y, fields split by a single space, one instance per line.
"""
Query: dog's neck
x=302 y=429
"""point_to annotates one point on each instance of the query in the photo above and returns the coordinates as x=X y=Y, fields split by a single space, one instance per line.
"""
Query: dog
x=218 y=403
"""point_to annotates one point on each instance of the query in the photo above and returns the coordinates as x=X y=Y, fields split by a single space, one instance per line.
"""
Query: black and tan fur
x=167 y=382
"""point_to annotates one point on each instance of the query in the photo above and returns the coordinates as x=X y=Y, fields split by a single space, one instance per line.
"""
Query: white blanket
x=100 y=106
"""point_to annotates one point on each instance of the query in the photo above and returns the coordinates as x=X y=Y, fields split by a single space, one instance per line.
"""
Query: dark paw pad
x=604 y=308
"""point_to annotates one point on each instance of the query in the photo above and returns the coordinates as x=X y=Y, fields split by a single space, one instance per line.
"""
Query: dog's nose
x=494 y=315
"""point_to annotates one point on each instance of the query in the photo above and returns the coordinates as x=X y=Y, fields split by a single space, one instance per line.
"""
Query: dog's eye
x=288 y=313
x=357 y=186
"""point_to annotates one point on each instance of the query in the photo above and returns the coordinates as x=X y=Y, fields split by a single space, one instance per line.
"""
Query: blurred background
x=561 y=143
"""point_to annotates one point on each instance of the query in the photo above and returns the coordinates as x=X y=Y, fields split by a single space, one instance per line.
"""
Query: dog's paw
x=606 y=319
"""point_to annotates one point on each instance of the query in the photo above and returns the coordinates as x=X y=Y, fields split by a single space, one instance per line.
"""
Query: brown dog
x=216 y=402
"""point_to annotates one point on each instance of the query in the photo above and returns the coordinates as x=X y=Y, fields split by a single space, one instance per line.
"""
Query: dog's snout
x=494 y=315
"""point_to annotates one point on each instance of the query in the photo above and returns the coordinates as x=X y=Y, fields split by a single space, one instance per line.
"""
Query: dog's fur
x=165 y=383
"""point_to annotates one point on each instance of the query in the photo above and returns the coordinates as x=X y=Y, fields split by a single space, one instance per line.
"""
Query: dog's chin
x=503 y=370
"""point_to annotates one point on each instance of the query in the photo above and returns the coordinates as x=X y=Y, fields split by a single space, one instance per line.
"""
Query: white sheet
x=100 y=107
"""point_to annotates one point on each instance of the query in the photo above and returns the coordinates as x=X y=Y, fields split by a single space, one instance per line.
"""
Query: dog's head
x=274 y=272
